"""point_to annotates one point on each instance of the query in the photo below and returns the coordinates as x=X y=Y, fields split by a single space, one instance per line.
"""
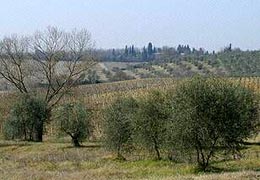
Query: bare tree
x=62 y=58
x=13 y=65
x=53 y=57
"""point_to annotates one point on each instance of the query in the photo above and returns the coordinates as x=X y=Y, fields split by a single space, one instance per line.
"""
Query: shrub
x=13 y=128
x=152 y=119
x=121 y=76
x=118 y=125
x=210 y=113
x=93 y=77
x=73 y=120
x=26 y=119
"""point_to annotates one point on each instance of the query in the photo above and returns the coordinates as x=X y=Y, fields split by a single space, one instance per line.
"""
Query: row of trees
x=49 y=62
x=129 y=54
x=199 y=119
x=147 y=53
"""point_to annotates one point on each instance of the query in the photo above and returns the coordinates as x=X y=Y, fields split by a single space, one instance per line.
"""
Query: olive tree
x=27 y=119
x=210 y=114
x=151 y=121
x=74 y=120
x=118 y=125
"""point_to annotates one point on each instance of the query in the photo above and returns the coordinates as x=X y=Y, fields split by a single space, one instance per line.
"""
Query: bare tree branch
x=63 y=58
x=14 y=62
x=53 y=57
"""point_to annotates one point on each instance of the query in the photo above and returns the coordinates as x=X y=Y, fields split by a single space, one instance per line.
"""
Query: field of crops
x=98 y=95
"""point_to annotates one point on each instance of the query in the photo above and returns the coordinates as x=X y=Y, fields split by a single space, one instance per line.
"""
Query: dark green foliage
x=209 y=114
x=26 y=119
x=126 y=51
x=13 y=128
x=74 y=120
x=152 y=119
x=150 y=49
x=144 y=54
x=118 y=125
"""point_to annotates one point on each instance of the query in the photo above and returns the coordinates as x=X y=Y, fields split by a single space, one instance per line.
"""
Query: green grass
x=54 y=160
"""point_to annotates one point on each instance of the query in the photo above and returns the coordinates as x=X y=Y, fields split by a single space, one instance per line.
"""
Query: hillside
x=225 y=63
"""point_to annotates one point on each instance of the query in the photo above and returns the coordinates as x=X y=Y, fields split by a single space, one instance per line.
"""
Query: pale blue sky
x=113 y=23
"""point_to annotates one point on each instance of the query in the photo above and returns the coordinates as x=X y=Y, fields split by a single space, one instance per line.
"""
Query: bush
x=121 y=76
x=13 y=128
x=73 y=120
x=93 y=77
x=209 y=114
x=152 y=119
x=118 y=125
x=26 y=119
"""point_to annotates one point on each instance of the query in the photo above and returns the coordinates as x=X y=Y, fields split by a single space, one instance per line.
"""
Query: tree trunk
x=37 y=132
x=156 y=148
x=119 y=155
x=75 y=142
x=158 y=153
x=37 y=135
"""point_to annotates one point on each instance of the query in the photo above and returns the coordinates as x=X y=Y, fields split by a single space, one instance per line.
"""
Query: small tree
x=118 y=126
x=151 y=122
x=73 y=120
x=212 y=113
x=26 y=120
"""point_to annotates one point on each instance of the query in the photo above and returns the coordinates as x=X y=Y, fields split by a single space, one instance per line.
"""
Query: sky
x=211 y=24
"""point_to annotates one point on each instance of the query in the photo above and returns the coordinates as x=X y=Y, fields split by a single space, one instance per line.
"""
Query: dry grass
x=58 y=160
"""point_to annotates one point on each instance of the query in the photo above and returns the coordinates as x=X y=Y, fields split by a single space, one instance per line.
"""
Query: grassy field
x=57 y=159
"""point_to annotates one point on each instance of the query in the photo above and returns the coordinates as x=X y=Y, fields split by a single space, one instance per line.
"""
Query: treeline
x=151 y=52
x=229 y=61
x=147 y=53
